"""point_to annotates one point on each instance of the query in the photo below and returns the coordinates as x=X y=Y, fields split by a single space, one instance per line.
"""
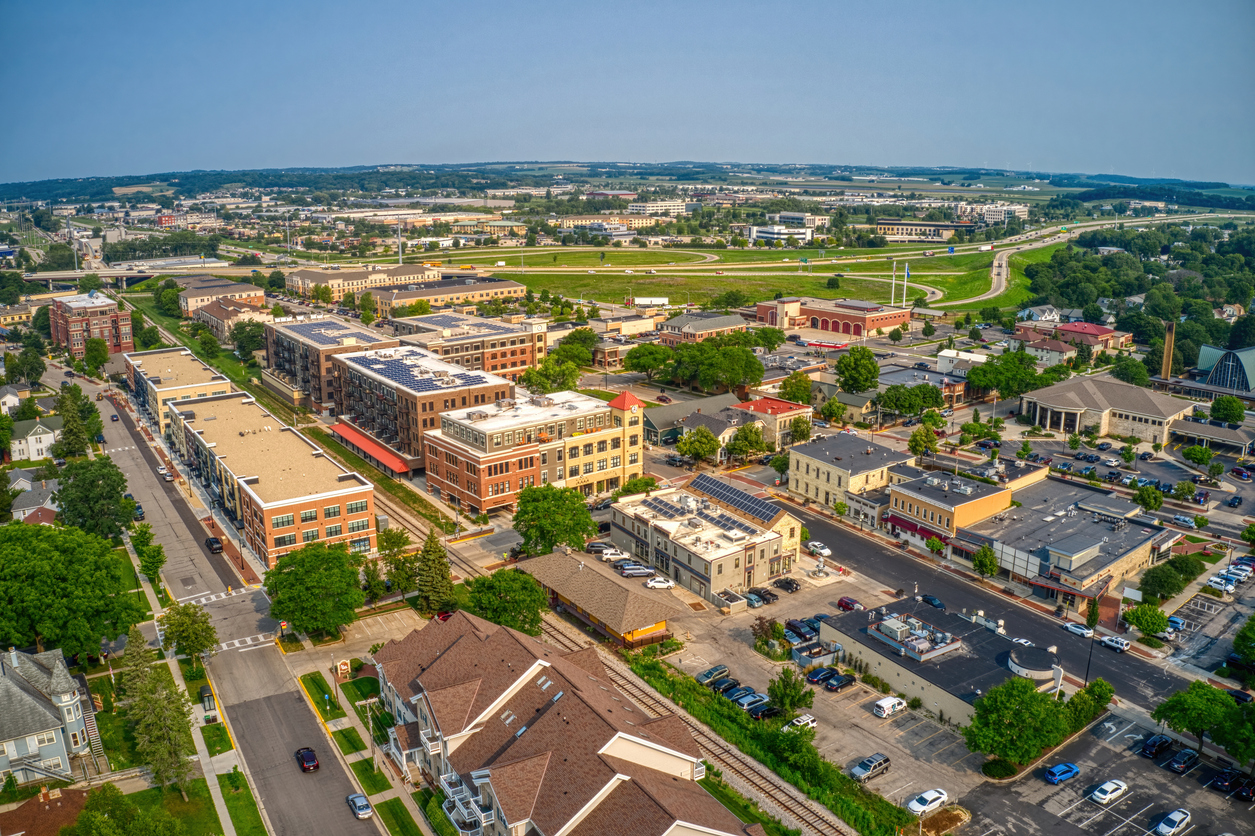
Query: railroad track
x=729 y=760
x=418 y=531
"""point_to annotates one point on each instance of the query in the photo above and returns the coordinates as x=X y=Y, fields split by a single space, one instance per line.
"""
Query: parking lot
x=925 y=754
x=1109 y=751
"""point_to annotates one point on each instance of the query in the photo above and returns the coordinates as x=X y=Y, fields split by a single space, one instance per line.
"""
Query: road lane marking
x=930 y=737
x=1126 y=728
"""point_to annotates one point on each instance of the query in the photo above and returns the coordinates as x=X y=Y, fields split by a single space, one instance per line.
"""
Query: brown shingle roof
x=619 y=604
x=1103 y=393
x=39 y=817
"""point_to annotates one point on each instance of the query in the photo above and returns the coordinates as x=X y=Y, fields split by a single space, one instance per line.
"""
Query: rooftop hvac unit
x=932 y=480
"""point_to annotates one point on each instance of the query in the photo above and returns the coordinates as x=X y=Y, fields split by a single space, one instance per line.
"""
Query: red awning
x=917 y=528
x=371 y=447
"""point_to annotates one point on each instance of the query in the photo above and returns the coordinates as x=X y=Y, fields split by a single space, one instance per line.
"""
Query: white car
x=1079 y=629
x=1174 y=822
x=1109 y=792
x=660 y=582
x=817 y=548
x=1221 y=584
x=806 y=721
x=1116 y=643
x=1111 y=462
x=1024 y=642
x=925 y=803
x=611 y=555
x=161 y=470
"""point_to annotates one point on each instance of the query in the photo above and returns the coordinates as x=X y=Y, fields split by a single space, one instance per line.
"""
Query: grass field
x=242 y=808
x=363 y=688
x=615 y=257
x=373 y=781
x=699 y=287
x=348 y=740
x=197 y=814
x=216 y=738
x=318 y=692
x=131 y=581
x=396 y=818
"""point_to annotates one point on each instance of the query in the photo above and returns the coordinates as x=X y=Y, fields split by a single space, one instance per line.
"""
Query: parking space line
x=965 y=757
x=1129 y=820
x=1070 y=806
x=916 y=726
x=899 y=789
x=939 y=751
x=930 y=737
x=1122 y=731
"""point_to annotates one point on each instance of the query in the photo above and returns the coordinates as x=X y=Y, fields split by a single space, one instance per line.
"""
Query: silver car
x=360 y=806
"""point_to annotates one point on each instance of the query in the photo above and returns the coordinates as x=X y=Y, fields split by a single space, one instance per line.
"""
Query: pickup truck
x=806 y=721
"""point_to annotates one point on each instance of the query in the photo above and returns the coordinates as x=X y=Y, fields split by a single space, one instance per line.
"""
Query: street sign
x=804 y=261
x=283 y=625
x=952 y=251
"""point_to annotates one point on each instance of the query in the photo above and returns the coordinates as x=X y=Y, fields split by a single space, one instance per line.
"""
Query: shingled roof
x=620 y=604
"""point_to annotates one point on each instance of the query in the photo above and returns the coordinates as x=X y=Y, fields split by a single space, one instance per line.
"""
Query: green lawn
x=242 y=808
x=544 y=256
x=744 y=809
x=291 y=644
x=318 y=691
x=396 y=818
x=363 y=688
x=348 y=740
x=115 y=734
x=699 y=287
x=197 y=814
x=130 y=580
x=373 y=782
x=216 y=738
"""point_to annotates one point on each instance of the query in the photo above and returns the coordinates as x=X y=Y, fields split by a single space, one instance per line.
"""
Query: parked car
x=711 y=674
x=720 y=686
x=1061 y=772
x=602 y=506
x=767 y=595
x=1079 y=629
x=214 y=545
x=840 y=683
x=848 y=604
x=751 y=701
x=1116 y=643
x=1105 y=446
x=869 y=767
x=663 y=399
x=934 y=601
x=1240 y=697
x=113 y=417
x=1241 y=474
x=359 y=805
x=923 y=365
x=1227 y=779
x=927 y=802
x=1147 y=456
x=800 y=628
x=821 y=675
x=659 y=582
x=1109 y=792
x=789 y=585
x=792 y=637
x=818 y=423
x=1155 y=745
x=1173 y=823
x=736 y=693
x=1183 y=521
x=752 y=600
x=1235 y=501
x=307 y=759
x=817 y=548
x=764 y=711
x=138 y=516
x=806 y=721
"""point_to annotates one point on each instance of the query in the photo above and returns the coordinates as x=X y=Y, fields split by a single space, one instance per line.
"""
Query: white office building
x=776 y=232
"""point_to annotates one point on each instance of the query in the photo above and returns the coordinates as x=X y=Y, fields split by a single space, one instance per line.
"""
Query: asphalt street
x=270 y=719
x=1134 y=679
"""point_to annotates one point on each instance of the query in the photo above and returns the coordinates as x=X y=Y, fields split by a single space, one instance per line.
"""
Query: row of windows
x=311 y=535
x=1137 y=419
x=921 y=512
x=311 y=515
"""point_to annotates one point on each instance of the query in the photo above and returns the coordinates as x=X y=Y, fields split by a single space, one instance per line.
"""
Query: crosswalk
x=113 y=450
x=217 y=596
x=246 y=643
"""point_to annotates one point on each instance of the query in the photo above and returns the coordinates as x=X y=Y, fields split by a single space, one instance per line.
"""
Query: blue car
x=1176 y=623
x=1062 y=772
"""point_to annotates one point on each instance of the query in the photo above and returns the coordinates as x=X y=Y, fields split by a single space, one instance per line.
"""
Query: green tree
x=108 y=812
x=394 y=549
x=1015 y=721
x=1199 y=456
x=277 y=311
x=796 y=388
x=840 y=509
x=647 y=359
x=435 y=584
x=833 y=411
x=373 y=584
x=1147 y=618
x=922 y=441
x=1197 y=710
x=187 y=627
x=208 y=345
x=1236 y=733
x=95 y=353
x=163 y=733
x=548 y=517
x=858 y=371
x=73 y=440
x=28 y=367
x=1244 y=641
x=315 y=588
x=248 y=336
x=1131 y=371
x=698 y=444
x=1026 y=449
x=1200 y=521
x=641 y=484
x=551 y=376
x=895 y=335
x=1128 y=454
x=1074 y=442
x=1093 y=613
x=1229 y=409
x=928 y=329
x=1162 y=581
x=1149 y=498
x=1215 y=470
x=1183 y=491
x=151 y=559
x=985 y=562
x=780 y=464
x=510 y=598
x=91 y=496
x=800 y=430
x=789 y=692
x=934 y=545
x=27 y=410
x=747 y=439
x=974 y=335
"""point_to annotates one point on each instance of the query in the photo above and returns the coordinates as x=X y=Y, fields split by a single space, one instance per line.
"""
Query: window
x=574 y=453
x=634 y=458
x=601 y=446
x=615 y=461
x=357 y=507
x=309 y=536
x=282 y=521
x=601 y=464
x=333 y=530
x=359 y=525
x=633 y=440
x=309 y=516
x=285 y=540
x=574 y=471
x=359 y=546
x=588 y=467
x=53 y=763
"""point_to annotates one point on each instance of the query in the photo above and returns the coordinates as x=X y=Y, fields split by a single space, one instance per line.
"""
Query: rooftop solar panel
x=330 y=332
x=738 y=499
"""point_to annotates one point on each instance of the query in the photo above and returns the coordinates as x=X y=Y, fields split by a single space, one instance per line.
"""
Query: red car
x=443 y=616
x=664 y=399
x=307 y=759
x=848 y=604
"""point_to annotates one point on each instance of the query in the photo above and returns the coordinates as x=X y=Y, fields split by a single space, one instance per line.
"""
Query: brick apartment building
x=506 y=347
x=470 y=289
x=221 y=316
x=76 y=319
x=388 y=398
x=199 y=291
x=275 y=485
x=299 y=352
x=481 y=457
x=155 y=378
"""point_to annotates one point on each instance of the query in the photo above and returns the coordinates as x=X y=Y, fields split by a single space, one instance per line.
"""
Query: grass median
x=322 y=696
x=373 y=781
x=397 y=819
x=241 y=805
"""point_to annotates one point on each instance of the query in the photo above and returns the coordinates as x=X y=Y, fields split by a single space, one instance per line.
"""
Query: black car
x=821 y=675
x=1245 y=791
x=307 y=759
x=1227 y=780
x=720 y=686
x=767 y=595
x=934 y=601
x=1093 y=457
x=1106 y=445
x=138 y=516
x=789 y=585
x=1235 y=501
x=1147 y=456
x=113 y=417
x=1233 y=660
x=1240 y=697
x=597 y=547
x=1151 y=748
x=923 y=365
x=764 y=711
x=603 y=505
x=214 y=545
x=838 y=683
x=603 y=527
x=1184 y=761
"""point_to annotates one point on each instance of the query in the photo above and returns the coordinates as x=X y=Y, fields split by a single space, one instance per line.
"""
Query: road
x=1134 y=679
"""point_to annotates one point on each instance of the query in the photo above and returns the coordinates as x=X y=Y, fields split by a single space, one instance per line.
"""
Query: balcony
x=431 y=741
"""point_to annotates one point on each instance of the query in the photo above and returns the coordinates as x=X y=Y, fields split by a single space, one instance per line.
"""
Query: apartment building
x=997 y=213
x=221 y=316
x=695 y=327
x=299 y=352
x=507 y=347
x=357 y=282
x=11 y=315
x=662 y=207
x=76 y=319
x=273 y=483
x=388 y=399
x=630 y=221
x=831 y=468
x=523 y=738
x=155 y=378
x=481 y=457
x=199 y=291
x=462 y=290
x=708 y=536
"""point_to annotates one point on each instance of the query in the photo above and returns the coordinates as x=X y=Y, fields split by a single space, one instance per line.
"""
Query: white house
x=33 y=439
x=1041 y=313
x=9 y=399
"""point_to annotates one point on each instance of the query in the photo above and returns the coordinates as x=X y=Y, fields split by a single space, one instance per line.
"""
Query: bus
x=823 y=344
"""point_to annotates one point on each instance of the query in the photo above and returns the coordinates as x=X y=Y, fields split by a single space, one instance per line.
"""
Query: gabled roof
x=696 y=323
x=45 y=423
x=1085 y=328
x=621 y=605
x=773 y=406
x=40 y=494
x=626 y=400
x=24 y=707
x=665 y=417
x=1103 y=393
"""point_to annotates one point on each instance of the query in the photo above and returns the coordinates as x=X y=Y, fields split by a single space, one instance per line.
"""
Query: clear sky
x=1144 y=88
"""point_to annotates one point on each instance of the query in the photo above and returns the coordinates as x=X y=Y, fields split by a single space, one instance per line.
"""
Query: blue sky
x=1145 y=88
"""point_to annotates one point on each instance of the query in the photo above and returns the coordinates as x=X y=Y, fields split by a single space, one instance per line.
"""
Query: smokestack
x=1169 y=339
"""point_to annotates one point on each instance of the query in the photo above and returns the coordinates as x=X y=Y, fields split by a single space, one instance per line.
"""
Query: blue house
x=46 y=717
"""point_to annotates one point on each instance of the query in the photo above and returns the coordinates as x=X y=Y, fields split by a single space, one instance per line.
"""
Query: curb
x=1029 y=767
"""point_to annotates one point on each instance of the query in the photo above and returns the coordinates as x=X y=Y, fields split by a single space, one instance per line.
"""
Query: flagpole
x=905 y=282
x=893 y=284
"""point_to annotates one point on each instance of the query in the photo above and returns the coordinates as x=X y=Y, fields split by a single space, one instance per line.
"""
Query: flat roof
x=696 y=522
x=328 y=332
x=86 y=300
x=889 y=375
x=508 y=414
x=416 y=370
x=277 y=463
x=852 y=453
x=173 y=368
x=460 y=327
x=978 y=665
x=948 y=489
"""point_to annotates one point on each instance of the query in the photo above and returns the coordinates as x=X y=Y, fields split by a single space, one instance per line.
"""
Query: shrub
x=999 y=768
x=1211 y=590
x=1150 y=641
x=915 y=704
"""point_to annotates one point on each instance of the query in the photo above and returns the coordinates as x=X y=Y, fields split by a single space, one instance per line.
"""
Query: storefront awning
x=1095 y=590
x=917 y=528
x=371 y=447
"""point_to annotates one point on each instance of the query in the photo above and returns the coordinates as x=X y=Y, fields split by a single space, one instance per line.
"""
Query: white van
x=889 y=706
